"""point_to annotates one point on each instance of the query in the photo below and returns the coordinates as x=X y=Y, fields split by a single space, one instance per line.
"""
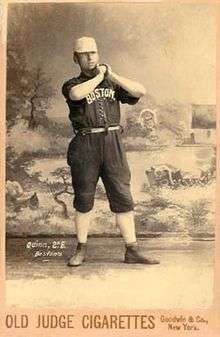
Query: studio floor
x=37 y=275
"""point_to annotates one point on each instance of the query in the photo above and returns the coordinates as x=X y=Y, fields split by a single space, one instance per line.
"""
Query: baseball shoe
x=133 y=255
x=79 y=256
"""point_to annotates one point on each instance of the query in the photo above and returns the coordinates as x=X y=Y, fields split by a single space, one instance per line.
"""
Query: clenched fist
x=101 y=69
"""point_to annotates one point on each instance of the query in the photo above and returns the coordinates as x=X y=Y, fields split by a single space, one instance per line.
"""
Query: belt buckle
x=85 y=132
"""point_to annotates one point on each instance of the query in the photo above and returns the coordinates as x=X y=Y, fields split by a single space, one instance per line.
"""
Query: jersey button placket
x=102 y=116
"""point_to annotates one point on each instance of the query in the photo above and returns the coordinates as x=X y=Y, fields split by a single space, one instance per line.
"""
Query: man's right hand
x=101 y=69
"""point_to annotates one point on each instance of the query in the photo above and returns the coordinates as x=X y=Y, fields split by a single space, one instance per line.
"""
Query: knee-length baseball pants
x=97 y=155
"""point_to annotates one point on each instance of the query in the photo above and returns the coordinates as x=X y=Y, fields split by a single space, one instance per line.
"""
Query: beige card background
x=212 y=314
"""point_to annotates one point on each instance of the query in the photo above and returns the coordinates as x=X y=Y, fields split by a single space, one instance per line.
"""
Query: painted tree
x=40 y=95
x=29 y=89
x=17 y=82
x=60 y=187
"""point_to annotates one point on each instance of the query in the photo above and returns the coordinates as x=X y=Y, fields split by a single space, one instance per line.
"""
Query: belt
x=86 y=131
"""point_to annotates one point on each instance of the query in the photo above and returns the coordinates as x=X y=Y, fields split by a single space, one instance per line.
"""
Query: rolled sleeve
x=67 y=87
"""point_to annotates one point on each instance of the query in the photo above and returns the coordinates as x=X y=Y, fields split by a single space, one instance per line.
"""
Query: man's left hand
x=108 y=72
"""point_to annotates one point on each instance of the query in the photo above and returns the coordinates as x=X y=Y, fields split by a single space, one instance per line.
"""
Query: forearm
x=134 y=88
x=81 y=90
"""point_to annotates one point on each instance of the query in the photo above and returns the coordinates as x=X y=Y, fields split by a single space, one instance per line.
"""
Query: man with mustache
x=94 y=99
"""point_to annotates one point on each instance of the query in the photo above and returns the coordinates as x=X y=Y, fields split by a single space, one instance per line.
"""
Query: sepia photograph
x=110 y=155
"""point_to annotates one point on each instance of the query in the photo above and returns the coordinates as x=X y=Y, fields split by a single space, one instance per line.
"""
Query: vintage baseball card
x=110 y=206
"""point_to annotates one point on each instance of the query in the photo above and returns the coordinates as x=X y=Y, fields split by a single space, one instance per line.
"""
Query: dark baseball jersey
x=100 y=107
x=98 y=155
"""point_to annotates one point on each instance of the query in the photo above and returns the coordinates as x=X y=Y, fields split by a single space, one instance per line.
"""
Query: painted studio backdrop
x=169 y=137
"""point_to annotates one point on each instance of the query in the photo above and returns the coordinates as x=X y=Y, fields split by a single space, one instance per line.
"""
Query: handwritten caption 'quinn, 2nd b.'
x=41 y=248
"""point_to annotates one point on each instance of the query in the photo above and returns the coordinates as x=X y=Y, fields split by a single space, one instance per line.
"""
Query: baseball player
x=94 y=99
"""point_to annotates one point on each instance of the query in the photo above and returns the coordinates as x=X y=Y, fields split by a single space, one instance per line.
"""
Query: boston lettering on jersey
x=100 y=93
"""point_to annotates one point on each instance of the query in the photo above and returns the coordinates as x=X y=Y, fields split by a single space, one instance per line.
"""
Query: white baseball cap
x=85 y=44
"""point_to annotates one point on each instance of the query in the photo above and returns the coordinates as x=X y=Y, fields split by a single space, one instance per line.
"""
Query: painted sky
x=171 y=49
